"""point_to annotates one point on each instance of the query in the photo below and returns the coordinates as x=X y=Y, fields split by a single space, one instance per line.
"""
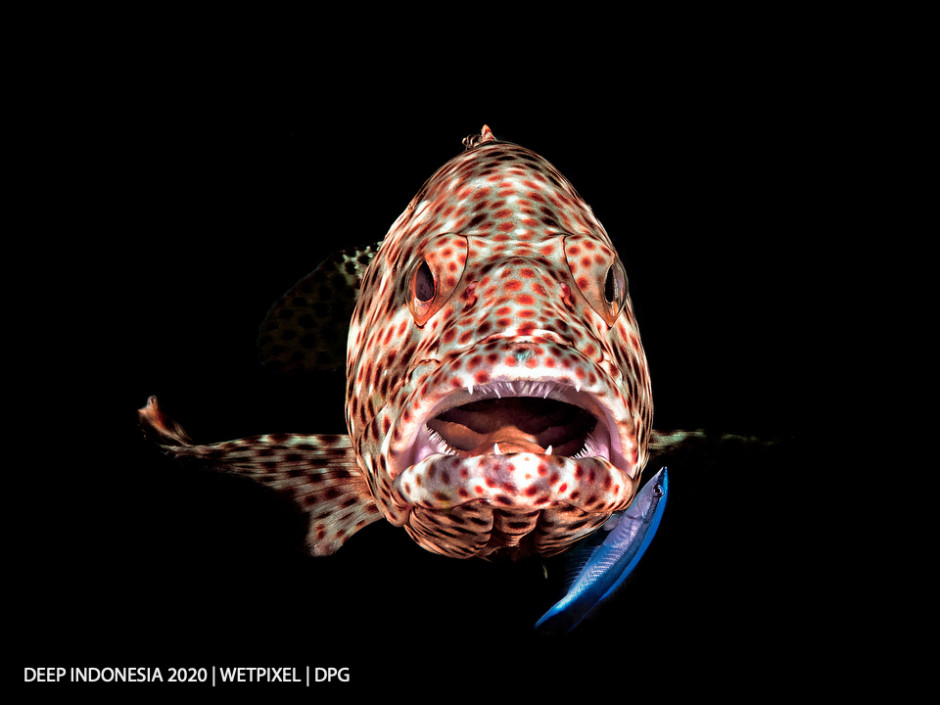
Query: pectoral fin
x=319 y=472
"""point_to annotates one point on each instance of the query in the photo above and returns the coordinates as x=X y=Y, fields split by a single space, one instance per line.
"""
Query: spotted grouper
x=498 y=396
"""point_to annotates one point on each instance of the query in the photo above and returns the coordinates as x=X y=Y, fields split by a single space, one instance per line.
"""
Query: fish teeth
x=470 y=389
x=548 y=451
x=496 y=449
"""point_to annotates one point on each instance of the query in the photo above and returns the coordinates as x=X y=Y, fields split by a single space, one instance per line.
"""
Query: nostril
x=469 y=294
x=522 y=352
x=566 y=297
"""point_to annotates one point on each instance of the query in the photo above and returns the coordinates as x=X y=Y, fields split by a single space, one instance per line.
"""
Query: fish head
x=498 y=394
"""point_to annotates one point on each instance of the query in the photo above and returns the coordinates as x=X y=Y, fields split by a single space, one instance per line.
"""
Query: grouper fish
x=498 y=395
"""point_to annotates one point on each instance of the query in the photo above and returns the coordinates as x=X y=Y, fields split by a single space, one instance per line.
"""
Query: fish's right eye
x=423 y=284
x=422 y=293
x=436 y=275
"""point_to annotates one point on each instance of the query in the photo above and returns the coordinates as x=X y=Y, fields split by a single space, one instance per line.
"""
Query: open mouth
x=544 y=418
x=485 y=466
x=512 y=425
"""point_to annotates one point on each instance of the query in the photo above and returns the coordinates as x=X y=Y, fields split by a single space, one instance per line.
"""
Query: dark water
x=210 y=205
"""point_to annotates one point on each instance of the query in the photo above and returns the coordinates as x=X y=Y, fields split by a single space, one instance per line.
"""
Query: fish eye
x=424 y=283
x=599 y=275
x=615 y=287
x=435 y=276
x=611 y=286
x=422 y=293
x=658 y=491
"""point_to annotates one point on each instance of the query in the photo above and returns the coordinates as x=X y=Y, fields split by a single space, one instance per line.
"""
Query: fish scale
x=497 y=280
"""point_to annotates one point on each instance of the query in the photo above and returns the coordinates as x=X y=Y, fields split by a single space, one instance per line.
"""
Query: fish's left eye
x=615 y=288
x=599 y=275
x=613 y=285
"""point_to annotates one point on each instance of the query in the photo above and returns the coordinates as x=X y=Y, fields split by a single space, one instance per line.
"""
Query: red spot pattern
x=513 y=251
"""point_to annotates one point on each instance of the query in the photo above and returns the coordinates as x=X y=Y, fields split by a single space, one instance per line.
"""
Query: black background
x=193 y=196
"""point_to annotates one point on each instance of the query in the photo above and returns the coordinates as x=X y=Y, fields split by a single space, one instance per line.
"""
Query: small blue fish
x=609 y=564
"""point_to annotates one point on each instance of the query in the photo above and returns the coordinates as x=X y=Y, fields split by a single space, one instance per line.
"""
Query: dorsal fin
x=473 y=141
x=307 y=328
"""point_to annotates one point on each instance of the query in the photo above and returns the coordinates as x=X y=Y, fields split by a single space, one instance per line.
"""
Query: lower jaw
x=506 y=505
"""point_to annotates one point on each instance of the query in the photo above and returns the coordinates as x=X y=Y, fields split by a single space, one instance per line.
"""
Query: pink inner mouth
x=513 y=425
x=521 y=416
